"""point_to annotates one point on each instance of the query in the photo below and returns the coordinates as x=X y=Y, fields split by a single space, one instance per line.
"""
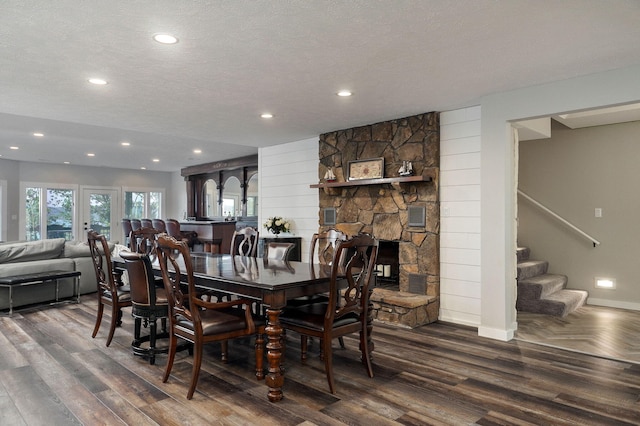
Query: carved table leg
x=274 y=378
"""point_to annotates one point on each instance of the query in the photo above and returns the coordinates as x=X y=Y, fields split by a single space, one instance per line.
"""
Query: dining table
x=270 y=282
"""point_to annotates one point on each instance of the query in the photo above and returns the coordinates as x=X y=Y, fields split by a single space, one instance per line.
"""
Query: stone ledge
x=401 y=298
x=404 y=309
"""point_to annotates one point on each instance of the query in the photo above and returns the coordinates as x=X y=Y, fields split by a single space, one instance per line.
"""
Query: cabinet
x=294 y=255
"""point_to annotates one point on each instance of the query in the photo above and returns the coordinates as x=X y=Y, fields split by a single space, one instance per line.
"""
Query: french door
x=99 y=211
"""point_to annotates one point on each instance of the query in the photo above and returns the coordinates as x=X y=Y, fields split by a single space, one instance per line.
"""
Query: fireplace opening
x=388 y=266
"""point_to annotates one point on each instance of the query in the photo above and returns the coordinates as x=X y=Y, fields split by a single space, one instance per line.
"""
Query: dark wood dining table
x=272 y=283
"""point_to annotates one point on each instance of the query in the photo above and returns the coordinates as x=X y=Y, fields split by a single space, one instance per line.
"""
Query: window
x=48 y=211
x=143 y=205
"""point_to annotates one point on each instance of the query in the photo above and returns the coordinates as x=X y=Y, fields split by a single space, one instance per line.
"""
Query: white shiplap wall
x=460 y=297
x=286 y=171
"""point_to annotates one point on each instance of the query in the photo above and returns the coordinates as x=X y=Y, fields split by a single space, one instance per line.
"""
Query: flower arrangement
x=277 y=224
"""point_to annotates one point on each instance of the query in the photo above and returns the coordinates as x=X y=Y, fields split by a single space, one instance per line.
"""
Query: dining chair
x=146 y=223
x=323 y=246
x=126 y=228
x=143 y=240
x=279 y=251
x=148 y=304
x=347 y=309
x=244 y=242
x=109 y=293
x=198 y=321
x=159 y=225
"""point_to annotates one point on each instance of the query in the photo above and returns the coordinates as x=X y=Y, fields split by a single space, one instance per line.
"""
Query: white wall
x=286 y=171
x=498 y=183
x=460 y=216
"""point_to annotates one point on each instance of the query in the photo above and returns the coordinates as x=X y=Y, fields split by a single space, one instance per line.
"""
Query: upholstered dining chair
x=109 y=293
x=196 y=320
x=149 y=304
x=279 y=251
x=126 y=228
x=347 y=309
x=244 y=242
x=159 y=225
x=143 y=240
x=146 y=223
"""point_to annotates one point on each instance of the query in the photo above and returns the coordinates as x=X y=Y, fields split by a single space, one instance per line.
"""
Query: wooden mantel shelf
x=378 y=181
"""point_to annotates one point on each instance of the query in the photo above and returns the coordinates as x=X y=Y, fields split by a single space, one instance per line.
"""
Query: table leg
x=274 y=378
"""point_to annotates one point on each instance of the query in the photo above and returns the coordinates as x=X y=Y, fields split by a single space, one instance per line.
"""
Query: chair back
x=173 y=228
x=101 y=257
x=136 y=224
x=159 y=225
x=279 y=251
x=146 y=223
x=352 y=301
x=175 y=263
x=244 y=242
x=143 y=240
x=141 y=280
x=126 y=228
x=324 y=245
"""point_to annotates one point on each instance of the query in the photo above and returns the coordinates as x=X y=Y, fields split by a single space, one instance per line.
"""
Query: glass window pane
x=60 y=213
x=155 y=201
x=134 y=205
x=32 y=211
x=100 y=212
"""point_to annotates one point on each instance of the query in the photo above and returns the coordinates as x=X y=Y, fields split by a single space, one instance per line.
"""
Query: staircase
x=543 y=293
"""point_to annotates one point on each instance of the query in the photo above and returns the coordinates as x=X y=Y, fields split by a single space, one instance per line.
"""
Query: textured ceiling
x=237 y=59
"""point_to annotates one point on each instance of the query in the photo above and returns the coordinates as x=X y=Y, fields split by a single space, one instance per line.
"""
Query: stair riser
x=532 y=268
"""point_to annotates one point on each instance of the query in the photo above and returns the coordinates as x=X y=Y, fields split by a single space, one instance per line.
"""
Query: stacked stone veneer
x=382 y=209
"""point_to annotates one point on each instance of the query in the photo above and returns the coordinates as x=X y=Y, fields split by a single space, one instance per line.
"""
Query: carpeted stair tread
x=540 y=286
x=522 y=253
x=543 y=293
x=531 y=268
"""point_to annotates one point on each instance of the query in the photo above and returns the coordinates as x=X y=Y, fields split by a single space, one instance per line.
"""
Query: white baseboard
x=496 y=334
x=614 y=304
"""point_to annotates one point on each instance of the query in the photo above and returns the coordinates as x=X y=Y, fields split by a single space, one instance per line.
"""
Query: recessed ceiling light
x=156 y=160
x=143 y=168
x=125 y=143
x=38 y=134
x=98 y=81
x=165 y=38
x=14 y=147
x=344 y=93
x=66 y=162
x=197 y=151
x=91 y=154
x=266 y=115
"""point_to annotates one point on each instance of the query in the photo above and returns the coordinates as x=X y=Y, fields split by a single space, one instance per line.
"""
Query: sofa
x=26 y=257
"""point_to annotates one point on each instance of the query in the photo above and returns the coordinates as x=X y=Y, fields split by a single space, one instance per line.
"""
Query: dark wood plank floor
x=596 y=330
x=53 y=373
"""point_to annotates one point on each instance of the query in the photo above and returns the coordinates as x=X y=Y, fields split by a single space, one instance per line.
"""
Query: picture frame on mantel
x=372 y=168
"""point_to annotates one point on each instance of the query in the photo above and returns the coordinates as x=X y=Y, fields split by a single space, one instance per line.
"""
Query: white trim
x=496 y=333
x=633 y=306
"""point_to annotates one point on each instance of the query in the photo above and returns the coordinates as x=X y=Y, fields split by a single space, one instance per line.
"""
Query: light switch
x=598 y=212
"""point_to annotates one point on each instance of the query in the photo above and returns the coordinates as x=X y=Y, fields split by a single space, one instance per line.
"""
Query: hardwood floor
x=52 y=372
x=596 y=330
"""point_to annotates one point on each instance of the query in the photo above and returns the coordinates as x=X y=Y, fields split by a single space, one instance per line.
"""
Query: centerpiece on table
x=277 y=224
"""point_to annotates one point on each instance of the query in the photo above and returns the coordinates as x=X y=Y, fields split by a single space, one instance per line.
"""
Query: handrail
x=560 y=218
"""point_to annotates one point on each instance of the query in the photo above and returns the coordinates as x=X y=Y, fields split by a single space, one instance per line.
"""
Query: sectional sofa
x=26 y=257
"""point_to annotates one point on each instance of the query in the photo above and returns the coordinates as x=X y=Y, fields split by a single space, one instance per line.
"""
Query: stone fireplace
x=384 y=208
